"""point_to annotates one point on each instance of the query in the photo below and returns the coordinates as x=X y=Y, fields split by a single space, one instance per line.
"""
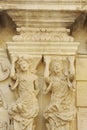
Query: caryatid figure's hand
x=47 y=60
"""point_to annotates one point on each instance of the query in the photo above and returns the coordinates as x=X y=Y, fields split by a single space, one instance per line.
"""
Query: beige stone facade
x=43 y=65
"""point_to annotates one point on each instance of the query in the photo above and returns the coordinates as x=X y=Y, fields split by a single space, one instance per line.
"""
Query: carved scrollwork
x=4 y=70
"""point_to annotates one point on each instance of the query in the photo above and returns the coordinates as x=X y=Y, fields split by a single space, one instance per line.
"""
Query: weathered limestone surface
x=43 y=65
x=81 y=93
x=81 y=66
x=82 y=119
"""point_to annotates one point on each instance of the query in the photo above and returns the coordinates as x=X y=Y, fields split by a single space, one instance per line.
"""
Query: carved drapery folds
x=60 y=80
x=26 y=89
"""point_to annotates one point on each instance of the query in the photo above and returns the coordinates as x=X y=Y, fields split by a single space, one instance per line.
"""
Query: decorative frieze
x=43 y=34
x=43 y=41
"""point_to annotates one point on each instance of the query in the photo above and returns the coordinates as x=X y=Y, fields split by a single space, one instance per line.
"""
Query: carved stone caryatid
x=25 y=84
x=59 y=81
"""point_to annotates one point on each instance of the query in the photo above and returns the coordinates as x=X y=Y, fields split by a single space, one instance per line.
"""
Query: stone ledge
x=60 y=48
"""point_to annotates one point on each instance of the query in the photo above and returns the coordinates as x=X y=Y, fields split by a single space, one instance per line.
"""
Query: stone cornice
x=41 y=26
x=58 y=7
x=37 y=18
x=45 y=13
x=65 y=5
x=43 y=48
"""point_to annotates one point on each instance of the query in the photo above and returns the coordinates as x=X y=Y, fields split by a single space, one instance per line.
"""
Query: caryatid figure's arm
x=47 y=84
x=36 y=84
x=14 y=60
x=13 y=73
x=71 y=79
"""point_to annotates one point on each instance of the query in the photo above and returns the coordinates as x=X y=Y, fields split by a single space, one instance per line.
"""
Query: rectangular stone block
x=81 y=68
x=82 y=119
x=82 y=93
